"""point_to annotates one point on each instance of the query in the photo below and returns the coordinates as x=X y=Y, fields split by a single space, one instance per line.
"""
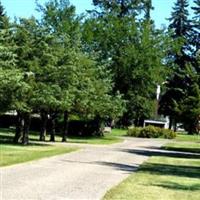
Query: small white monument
x=161 y=122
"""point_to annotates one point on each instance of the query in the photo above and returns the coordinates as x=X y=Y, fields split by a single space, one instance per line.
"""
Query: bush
x=134 y=131
x=168 y=134
x=151 y=132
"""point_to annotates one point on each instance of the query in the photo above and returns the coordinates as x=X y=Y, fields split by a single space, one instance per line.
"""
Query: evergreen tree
x=120 y=8
x=8 y=71
x=196 y=27
x=23 y=39
x=179 y=19
x=2 y=12
x=4 y=20
x=196 y=9
x=183 y=65
x=77 y=75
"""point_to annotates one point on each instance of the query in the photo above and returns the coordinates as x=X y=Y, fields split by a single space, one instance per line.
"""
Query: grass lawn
x=185 y=147
x=13 y=154
x=183 y=137
x=165 y=176
x=109 y=138
x=6 y=135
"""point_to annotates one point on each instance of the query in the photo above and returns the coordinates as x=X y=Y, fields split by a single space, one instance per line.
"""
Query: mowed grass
x=183 y=137
x=185 y=147
x=165 y=176
x=108 y=138
x=13 y=154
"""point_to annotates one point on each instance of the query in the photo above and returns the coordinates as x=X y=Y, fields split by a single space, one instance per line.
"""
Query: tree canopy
x=104 y=66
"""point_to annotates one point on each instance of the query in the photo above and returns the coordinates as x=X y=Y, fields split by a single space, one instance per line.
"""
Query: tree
x=121 y=8
x=197 y=9
x=13 y=86
x=131 y=49
x=59 y=21
x=196 y=27
x=25 y=62
x=93 y=93
x=82 y=83
x=190 y=111
x=4 y=20
x=175 y=101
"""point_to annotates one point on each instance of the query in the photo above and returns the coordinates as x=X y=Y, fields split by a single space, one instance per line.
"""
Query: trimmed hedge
x=151 y=132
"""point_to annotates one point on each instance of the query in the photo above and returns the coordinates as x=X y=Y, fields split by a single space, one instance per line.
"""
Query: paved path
x=85 y=174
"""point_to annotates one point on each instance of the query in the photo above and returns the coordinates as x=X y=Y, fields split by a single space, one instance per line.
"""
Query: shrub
x=151 y=132
x=168 y=134
x=134 y=131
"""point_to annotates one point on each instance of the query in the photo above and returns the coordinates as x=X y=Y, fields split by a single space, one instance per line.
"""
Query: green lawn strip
x=6 y=136
x=162 y=177
x=185 y=147
x=108 y=139
x=183 y=137
x=119 y=132
x=13 y=154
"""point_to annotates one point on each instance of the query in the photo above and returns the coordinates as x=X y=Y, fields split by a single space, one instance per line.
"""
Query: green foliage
x=168 y=134
x=133 y=52
x=179 y=19
x=104 y=67
x=134 y=131
x=196 y=9
x=151 y=132
x=4 y=20
x=181 y=99
x=121 y=8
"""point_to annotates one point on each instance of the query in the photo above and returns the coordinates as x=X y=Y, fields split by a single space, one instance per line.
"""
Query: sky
x=26 y=8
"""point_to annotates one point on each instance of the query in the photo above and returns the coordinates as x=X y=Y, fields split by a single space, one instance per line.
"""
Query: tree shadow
x=183 y=149
x=176 y=186
x=152 y=151
x=7 y=139
x=171 y=170
x=119 y=166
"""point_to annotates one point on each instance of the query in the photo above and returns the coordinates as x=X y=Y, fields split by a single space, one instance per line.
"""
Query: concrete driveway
x=85 y=174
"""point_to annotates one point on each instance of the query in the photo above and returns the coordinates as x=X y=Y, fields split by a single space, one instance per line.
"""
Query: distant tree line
x=100 y=66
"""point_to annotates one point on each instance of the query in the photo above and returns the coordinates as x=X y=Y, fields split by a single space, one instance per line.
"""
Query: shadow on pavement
x=152 y=151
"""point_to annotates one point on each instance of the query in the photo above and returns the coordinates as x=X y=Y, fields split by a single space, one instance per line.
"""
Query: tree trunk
x=170 y=123
x=175 y=125
x=44 y=119
x=27 y=120
x=19 y=127
x=53 y=124
x=100 y=125
x=65 y=131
